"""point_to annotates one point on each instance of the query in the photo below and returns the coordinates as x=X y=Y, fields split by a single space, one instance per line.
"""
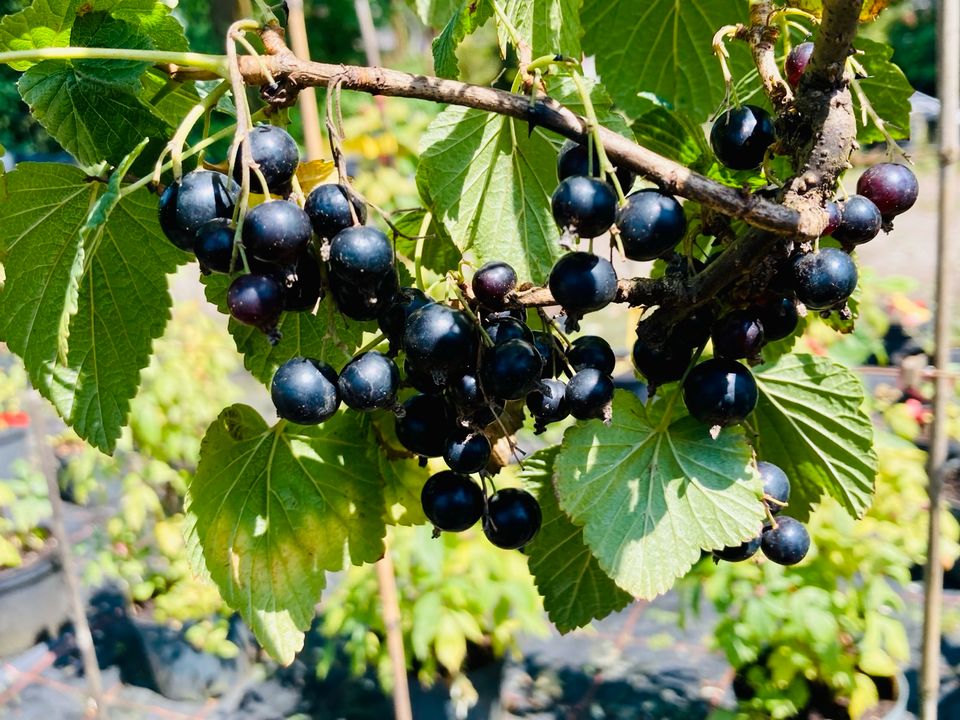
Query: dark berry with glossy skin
x=452 y=502
x=276 y=152
x=548 y=403
x=510 y=370
x=776 y=486
x=584 y=205
x=329 y=209
x=740 y=137
x=591 y=351
x=573 y=160
x=720 y=392
x=197 y=198
x=361 y=303
x=518 y=314
x=797 y=61
x=256 y=300
x=693 y=331
x=423 y=380
x=465 y=392
x=589 y=394
x=834 y=217
x=860 y=221
x=393 y=318
x=513 y=518
x=893 y=188
x=214 y=245
x=779 y=318
x=582 y=282
x=506 y=329
x=467 y=451
x=276 y=231
x=787 y=543
x=551 y=352
x=440 y=339
x=739 y=553
x=369 y=382
x=362 y=255
x=425 y=424
x=306 y=289
x=738 y=334
x=825 y=279
x=492 y=283
x=662 y=365
x=650 y=223
x=305 y=391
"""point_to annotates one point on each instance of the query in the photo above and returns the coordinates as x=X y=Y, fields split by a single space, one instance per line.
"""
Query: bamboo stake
x=309 y=112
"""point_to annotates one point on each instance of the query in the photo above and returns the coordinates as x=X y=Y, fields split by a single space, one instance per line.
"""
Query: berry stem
x=593 y=128
x=465 y=306
x=869 y=113
x=244 y=124
x=214 y=64
x=418 y=251
x=378 y=340
x=179 y=140
x=723 y=55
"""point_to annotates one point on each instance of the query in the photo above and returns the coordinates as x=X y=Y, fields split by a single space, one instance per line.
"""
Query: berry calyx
x=493 y=283
x=585 y=206
x=441 y=340
x=513 y=518
x=589 y=395
x=573 y=160
x=825 y=279
x=796 y=63
x=582 y=282
x=424 y=425
x=650 y=223
x=256 y=300
x=720 y=392
x=860 y=221
x=740 y=137
x=452 y=502
x=276 y=231
x=548 y=404
x=738 y=334
x=591 y=351
x=369 y=382
x=776 y=486
x=361 y=255
x=197 y=198
x=277 y=155
x=329 y=209
x=214 y=245
x=467 y=451
x=893 y=188
x=510 y=370
x=305 y=391
x=787 y=543
x=739 y=553
x=303 y=293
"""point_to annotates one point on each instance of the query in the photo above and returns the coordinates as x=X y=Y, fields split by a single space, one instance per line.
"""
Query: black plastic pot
x=33 y=603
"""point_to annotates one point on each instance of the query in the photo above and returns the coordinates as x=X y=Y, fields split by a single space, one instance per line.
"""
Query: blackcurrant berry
x=551 y=352
x=776 y=486
x=797 y=61
x=720 y=392
x=573 y=160
x=589 y=395
x=779 y=318
x=493 y=283
x=860 y=221
x=214 y=246
x=467 y=451
x=518 y=314
x=486 y=415
x=441 y=340
x=582 y=282
x=361 y=255
x=303 y=293
x=466 y=393
x=548 y=403
x=787 y=543
x=369 y=382
x=361 y=303
x=275 y=152
x=834 y=217
x=426 y=382
x=198 y=197
x=891 y=187
x=591 y=351
x=393 y=318
x=739 y=553
x=276 y=231
x=662 y=365
x=584 y=205
x=510 y=370
x=304 y=391
x=452 y=502
x=513 y=518
x=329 y=209
x=508 y=329
x=256 y=300
x=738 y=334
x=825 y=279
x=650 y=224
x=424 y=425
x=694 y=330
x=740 y=137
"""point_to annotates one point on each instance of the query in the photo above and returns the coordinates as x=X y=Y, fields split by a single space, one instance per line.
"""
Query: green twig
x=211 y=63
x=593 y=128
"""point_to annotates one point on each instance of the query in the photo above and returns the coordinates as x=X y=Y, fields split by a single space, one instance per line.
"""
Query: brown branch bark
x=762 y=38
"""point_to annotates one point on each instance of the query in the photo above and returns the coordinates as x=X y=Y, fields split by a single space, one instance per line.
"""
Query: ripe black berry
x=662 y=365
x=551 y=352
x=214 y=245
x=393 y=318
x=776 y=486
x=441 y=340
x=584 y=205
x=779 y=318
x=720 y=392
x=650 y=223
x=370 y=381
x=452 y=502
x=256 y=300
x=361 y=255
x=466 y=393
x=303 y=293
x=426 y=382
x=304 y=391
x=589 y=395
x=797 y=61
x=361 y=303
x=573 y=160
x=467 y=451
x=506 y=329
x=198 y=197
x=518 y=314
x=740 y=137
x=825 y=279
x=582 y=282
x=591 y=351
x=513 y=518
x=486 y=415
x=891 y=187
x=276 y=231
x=425 y=424
x=738 y=334
x=329 y=209
x=860 y=221
x=739 y=553
x=548 y=403
x=275 y=152
x=510 y=370
x=787 y=543
x=492 y=283
x=834 y=217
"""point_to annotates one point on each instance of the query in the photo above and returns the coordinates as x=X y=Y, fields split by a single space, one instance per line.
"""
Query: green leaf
x=551 y=27
x=439 y=255
x=435 y=13
x=810 y=423
x=668 y=132
x=469 y=16
x=662 y=47
x=888 y=91
x=270 y=510
x=650 y=498
x=326 y=336
x=153 y=18
x=42 y=24
x=170 y=106
x=575 y=589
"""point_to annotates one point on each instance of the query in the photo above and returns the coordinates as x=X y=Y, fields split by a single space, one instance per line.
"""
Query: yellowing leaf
x=313 y=173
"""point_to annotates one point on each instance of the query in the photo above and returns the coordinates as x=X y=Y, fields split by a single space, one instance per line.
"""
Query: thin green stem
x=186 y=126
x=418 y=252
x=465 y=306
x=211 y=63
x=378 y=340
x=593 y=126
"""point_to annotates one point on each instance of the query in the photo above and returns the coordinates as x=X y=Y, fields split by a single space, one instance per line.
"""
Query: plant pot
x=895 y=708
x=33 y=602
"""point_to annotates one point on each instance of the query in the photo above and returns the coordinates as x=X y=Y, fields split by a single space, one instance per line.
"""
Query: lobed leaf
x=470 y=15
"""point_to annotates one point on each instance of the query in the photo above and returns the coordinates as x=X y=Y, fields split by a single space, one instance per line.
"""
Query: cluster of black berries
x=783 y=539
